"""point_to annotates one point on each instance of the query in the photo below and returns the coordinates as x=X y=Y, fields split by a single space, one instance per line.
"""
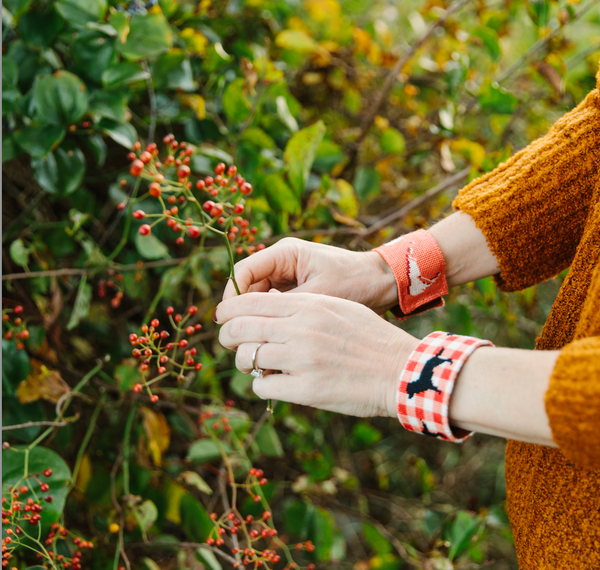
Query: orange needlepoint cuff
x=420 y=271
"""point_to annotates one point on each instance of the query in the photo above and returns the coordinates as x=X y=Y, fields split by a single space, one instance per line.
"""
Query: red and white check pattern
x=419 y=268
x=426 y=411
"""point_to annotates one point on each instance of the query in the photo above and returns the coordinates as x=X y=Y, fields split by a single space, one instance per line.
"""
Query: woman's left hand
x=333 y=354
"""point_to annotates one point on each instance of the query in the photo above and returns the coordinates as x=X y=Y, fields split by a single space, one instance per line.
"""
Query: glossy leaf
x=61 y=172
x=39 y=141
x=462 y=531
x=60 y=99
x=195 y=522
x=40 y=28
x=268 y=441
x=280 y=196
x=150 y=247
x=80 y=12
x=123 y=73
x=149 y=36
x=124 y=134
x=300 y=153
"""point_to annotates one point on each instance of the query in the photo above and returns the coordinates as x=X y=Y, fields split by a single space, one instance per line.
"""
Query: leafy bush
x=351 y=123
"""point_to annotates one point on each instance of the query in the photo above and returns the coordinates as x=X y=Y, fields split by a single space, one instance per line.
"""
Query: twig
x=34 y=424
x=542 y=42
x=152 y=100
x=393 y=75
x=216 y=551
x=402 y=212
x=255 y=429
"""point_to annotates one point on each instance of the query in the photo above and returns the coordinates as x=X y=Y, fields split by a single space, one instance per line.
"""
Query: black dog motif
x=431 y=433
x=424 y=383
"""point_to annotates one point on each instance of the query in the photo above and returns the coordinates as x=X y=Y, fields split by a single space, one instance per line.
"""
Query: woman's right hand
x=299 y=266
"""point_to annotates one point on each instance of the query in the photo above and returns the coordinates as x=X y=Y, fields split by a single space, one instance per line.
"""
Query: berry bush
x=149 y=146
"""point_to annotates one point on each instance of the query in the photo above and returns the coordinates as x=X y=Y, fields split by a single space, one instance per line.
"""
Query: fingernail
x=215 y=315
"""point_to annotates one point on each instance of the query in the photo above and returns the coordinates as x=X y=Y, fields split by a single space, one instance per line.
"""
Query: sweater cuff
x=573 y=402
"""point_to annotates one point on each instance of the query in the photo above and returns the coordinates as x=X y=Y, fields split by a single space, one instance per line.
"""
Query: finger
x=262 y=265
x=270 y=356
x=275 y=387
x=259 y=304
x=260 y=287
x=241 y=330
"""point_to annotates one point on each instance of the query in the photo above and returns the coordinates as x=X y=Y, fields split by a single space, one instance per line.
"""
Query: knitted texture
x=427 y=381
x=420 y=272
x=540 y=213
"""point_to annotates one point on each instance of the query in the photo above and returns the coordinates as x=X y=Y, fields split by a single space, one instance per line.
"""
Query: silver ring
x=256 y=371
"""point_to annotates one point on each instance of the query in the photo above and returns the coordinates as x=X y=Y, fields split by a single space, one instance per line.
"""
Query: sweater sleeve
x=573 y=402
x=532 y=208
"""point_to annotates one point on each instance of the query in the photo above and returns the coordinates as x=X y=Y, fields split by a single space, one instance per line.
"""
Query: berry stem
x=128 y=218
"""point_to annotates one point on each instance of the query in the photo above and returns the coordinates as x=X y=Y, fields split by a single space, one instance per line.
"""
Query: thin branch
x=216 y=551
x=152 y=99
x=34 y=424
x=256 y=428
x=543 y=41
x=392 y=76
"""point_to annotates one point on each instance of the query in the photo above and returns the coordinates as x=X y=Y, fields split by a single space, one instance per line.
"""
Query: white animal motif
x=417 y=283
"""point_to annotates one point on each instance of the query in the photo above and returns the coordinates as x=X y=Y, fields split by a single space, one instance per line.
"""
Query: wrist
x=400 y=350
x=385 y=289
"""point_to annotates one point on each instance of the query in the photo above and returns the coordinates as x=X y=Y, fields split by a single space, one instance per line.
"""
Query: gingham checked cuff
x=427 y=380
x=420 y=272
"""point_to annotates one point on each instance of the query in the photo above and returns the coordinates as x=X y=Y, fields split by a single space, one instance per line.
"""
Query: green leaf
x=81 y=307
x=285 y=115
x=150 y=247
x=268 y=441
x=258 y=137
x=300 y=153
x=39 y=141
x=241 y=384
x=464 y=527
x=322 y=535
x=109 y=104
x=97 y=146
x=377 y=542
x=9 y=148
x=123 y=73
x=39 y=28
x=195 y=522
x=40 y=459
x=149 y=36
x=172 y=70
x=364 y=435
x=14 y=412
x=497 y=99
x=61 y=172
x=280 y=196
x=35 y=568
x=389 y=562
x=60 y=99
x=205 y=450
x=344 y=198
x=366 y=182
x=329 y=154
x=147 y=513
x=539 y=12
x=79 y=12
x=208 y=559
x=392 y=141
x=490 y=40
x=150 y=564
x=10 y=73
x=194 y=480
x=235 y=102
x=19 y=253
x=93 y=52
x=124 y=134
x=15 y=366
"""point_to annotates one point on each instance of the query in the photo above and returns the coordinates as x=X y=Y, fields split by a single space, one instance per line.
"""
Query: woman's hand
x=333 y=354
x=305 y=267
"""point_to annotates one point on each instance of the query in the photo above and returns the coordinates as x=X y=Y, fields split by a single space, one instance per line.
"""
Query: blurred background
x=355 y=122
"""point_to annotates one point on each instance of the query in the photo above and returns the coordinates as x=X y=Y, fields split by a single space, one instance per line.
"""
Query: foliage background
x=83 y=80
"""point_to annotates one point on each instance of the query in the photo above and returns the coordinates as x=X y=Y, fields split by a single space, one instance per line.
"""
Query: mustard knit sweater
x=540 y=213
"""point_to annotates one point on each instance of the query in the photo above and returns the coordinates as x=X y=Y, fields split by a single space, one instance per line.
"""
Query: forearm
x=500 y=391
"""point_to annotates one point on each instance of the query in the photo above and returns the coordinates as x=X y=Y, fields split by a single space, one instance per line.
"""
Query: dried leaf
x=158 y=434
x=42 y=384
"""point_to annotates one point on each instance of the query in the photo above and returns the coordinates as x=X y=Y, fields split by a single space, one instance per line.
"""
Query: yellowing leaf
x=42 y=384
x=471 y=150
x=195 y=41
x=173 y=493
x=195 y=102
x=194 y=480
x=84 y=474
x=322 y=10
x=346 y=200
x=158 y=433
x=297 y=41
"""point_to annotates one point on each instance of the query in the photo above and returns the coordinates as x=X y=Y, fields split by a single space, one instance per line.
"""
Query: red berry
x=154 y=323
x=266 y=515
x=193 y=310
x=137 y=145
x=189 y=330
x=154 y=398
x=44 y=487
x=246 y=188
x=179 y=241
x=260 y=247
x=231 y=170
x=133 y=337
x=201 y=185
x=137 y=166
x=183 y=171
x=208 y=205
x=221 y=220
x=48 y=498
x=155 y=190
x=220 y=168
x=257 y=499
x=47 y=472
x=24 y=334
x=209 y=180
x=183 y=343
x=193 y=231
x=145 y=157
x=139 y=214
x=170 y=310
x=145 y=229
x=18 y=309
x=216 y=210
x=238 y=209
x=198 y=366
x=137 y=388
x=120 y=206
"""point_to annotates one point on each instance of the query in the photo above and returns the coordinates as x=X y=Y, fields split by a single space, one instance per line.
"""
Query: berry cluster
x=153 y=345
x=216 y=203
x=17 y=329
x=19 y=513
x=114 y=281
x=245 y=534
